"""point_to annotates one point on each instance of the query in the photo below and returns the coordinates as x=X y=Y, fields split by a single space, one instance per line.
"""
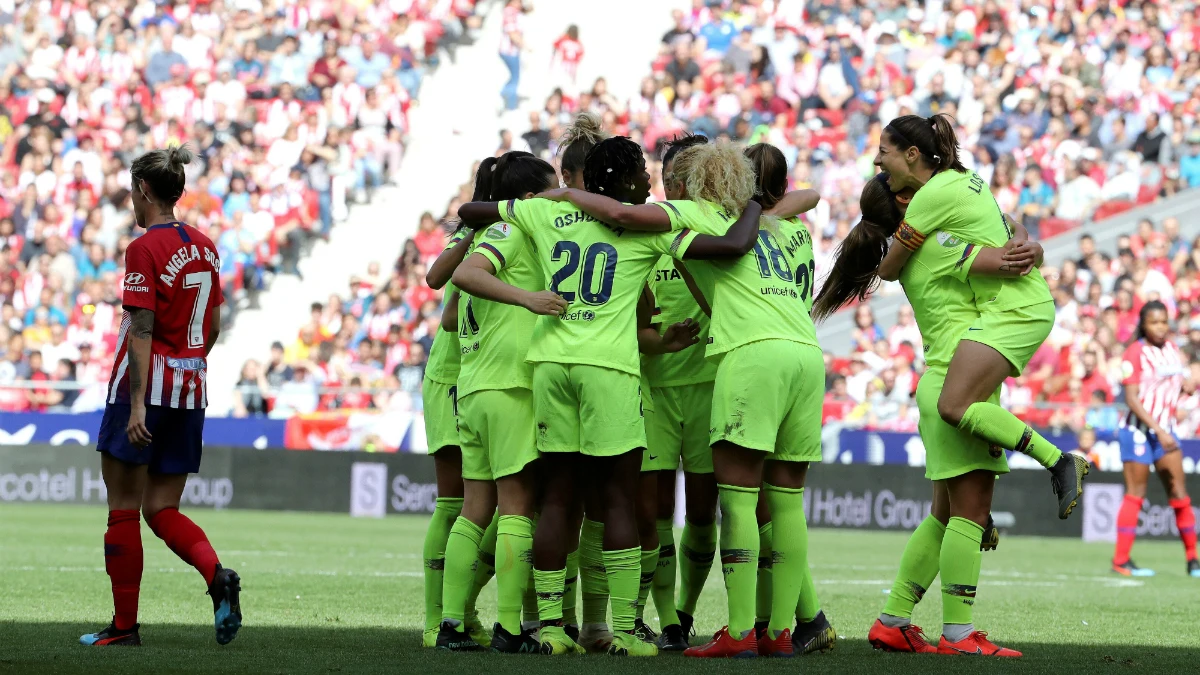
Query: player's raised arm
x=640 y=217
x=478 y=215
x=440 y=271
x=477 y=276
x=736 y=242
x=794 y=203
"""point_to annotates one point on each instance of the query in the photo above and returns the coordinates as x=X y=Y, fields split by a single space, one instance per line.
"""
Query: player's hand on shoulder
x=547 y=303
x=555 y=195
x=680 y=336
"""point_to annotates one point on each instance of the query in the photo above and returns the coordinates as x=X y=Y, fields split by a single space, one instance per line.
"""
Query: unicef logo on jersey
x=948 y=240
x=589 y=315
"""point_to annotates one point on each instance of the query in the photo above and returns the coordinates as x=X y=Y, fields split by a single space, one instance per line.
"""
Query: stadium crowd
x=296 y=110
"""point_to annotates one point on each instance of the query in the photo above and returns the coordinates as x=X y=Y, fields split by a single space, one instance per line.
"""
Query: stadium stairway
x=834 y=333
x=455 y=123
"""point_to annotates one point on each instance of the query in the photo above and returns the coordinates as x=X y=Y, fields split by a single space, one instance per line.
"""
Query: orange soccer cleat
x=908 y=638
x=779 y=647
x=975 y=644
x=724 y=646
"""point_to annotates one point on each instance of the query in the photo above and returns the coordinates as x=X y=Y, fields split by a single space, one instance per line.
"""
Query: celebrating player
x=1152 y=373
x=1016 y=314
x=151 y=435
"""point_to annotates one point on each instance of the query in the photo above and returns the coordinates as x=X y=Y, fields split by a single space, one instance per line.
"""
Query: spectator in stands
x=251 y=391
x=1153 y=144
x=1036 y=201
x=1078 y=196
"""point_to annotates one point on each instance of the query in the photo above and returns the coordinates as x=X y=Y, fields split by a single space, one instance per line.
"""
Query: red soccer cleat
x=909 y=638
x=779 y=647
x=723 y=646
x=975 y=644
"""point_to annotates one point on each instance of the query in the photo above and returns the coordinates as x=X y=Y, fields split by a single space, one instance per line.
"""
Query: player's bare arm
x=697 y=294
x=640 y=217
x=736 y=242
x=794 y=203
x=440 y=271
x=141 y=331
x=477 y=276
x=675 y=338
x=478 y=215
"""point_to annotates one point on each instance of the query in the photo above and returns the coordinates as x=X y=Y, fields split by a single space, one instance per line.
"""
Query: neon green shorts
x=588 y=409
x=768 y=396
x=496 y=430
x=441 y=414
x=950 y=452
x=678 y=429
x=1016 y=333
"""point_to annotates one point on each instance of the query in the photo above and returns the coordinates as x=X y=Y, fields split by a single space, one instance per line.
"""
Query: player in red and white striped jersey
x=1153 y=373
x=150 y=437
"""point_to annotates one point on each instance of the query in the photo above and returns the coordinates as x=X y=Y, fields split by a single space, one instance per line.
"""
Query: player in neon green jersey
x=586 y=372
x=1016 y=314
x=937 y=281
x=768 y=384
x=496 y=425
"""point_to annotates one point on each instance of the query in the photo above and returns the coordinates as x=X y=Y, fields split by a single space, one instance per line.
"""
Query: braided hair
x=612 y=167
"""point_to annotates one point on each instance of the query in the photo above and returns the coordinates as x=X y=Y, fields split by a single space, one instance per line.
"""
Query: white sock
x=894 y=621
x=956 y=632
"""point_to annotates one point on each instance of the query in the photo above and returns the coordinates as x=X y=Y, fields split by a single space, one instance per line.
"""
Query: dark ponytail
x=857 y=259
x=516 y=173
x=934 y=137
x=1153 y=305
x=770 y=167
x=483 y=180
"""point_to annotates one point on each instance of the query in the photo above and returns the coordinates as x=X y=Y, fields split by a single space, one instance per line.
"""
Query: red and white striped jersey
x=172 y=270
x=1159 y=374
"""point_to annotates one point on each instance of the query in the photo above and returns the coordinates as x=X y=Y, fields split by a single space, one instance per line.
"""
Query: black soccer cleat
x=455 y=640
x=1193 y=568
x=504 y=642
x=110 y=636
x=570 y=629
x=814 y=636
x=687 y=623
x=991 y=536
x=226 y=591
x=672 y=639
x=760 y=629
x=1066 y=478
x=644 y=632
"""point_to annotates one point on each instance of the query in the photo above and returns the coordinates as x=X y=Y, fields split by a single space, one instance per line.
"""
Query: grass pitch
x=331 y=594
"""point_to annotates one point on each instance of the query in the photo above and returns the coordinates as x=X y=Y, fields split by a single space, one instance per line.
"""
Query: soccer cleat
x=814 y=636
x=594 y=637
x=908 y=638
x=630 y=644
x=477 y=633
x=975 y=644
x=724 y=646
x=780 y=646
x=452 y=639
x=429 y=638
x=1129 y=569
x=572 y=631
x=504 y=642
x=644 y=632
x=1193 y=568
x=687 y=623
x=1066 y=477
x=226 y=592
x=111 y=636
x=672 y=639
x=991 y=536
x=760 y=629
x=555 y=642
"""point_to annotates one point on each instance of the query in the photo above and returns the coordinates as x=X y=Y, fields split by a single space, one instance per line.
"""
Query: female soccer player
x=150 y=438
x=766 y=390
x=937 y=281
x=1152 y=373
x=586 y=377
x=1016 y=314
x=496 y=423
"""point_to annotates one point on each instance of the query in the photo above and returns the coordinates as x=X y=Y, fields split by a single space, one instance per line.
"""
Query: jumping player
x=151 y=435
x=1152 y=372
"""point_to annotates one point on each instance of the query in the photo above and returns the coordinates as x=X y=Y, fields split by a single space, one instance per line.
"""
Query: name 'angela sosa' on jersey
x=183 y=256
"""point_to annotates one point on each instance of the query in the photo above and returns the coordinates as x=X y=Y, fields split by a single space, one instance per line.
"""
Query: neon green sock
x=486 y=569
x=918 y=568
x=462 y=560
x=697 y=548
x=809 y=604
x=664 y=576
x=789 y=555
x=1001 y=428
x=960 y=560
x=649 y=563
x=624 y=569
x=739 y=554
x=514 y=559
x=593 y=582
x=529 y=602
x=549 y=585
x=570 y=590
x=433 y=555
x=762 y=591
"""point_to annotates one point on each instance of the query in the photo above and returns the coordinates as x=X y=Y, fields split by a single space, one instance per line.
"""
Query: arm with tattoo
x=141 y=331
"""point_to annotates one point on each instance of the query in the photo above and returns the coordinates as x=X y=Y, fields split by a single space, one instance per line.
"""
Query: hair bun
x=179 y=156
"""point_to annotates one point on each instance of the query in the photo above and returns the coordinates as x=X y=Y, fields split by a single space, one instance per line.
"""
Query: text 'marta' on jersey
x=1159 y=373
x=172 y=270
x=755 y=297
x=599 y=270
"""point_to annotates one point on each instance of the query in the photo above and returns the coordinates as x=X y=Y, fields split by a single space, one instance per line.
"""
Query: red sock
x=123 y=562
x=1127 y=520
x=1185 y=520
x=187 y=540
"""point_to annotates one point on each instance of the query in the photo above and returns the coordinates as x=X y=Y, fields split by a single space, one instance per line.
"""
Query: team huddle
x=593 y=344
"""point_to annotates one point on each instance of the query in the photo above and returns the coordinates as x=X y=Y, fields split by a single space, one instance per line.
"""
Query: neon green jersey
x=673 y=302
x=753 y=297
x=960 y=206
x=494 y=336
x=599 y=270
x=936 y=283
x=443 y=363
x=798 y=247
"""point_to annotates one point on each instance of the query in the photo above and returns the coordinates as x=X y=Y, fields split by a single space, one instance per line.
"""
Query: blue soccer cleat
x=226 y=590
x=1193 y=568
x=1129 y=569
x=112 y=636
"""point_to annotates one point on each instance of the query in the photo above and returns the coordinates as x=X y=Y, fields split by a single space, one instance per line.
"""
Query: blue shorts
x=1139 y=446
x=176 y=438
